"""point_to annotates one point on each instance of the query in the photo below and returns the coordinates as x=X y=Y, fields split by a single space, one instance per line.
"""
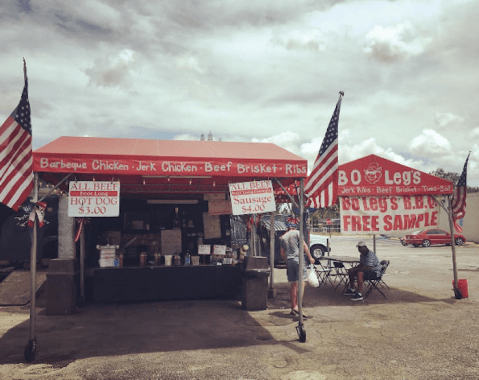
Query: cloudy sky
x=248 y=70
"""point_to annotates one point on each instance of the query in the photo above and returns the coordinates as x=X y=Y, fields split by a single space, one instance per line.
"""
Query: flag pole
x=457 y=292
x=300 y=328
x=30 y=349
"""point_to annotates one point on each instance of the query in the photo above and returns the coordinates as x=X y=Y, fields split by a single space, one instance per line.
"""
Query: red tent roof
x=373 y=175
x=158 y=162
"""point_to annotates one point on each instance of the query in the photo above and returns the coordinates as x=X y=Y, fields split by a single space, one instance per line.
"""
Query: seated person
x=369 y=268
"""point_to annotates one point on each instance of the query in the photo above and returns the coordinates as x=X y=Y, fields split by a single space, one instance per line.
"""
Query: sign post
x=329 y=223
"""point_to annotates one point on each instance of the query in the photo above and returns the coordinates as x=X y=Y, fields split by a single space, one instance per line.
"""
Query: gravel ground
x=419 y=332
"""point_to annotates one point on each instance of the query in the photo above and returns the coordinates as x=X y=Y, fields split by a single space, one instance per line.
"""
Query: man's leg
x=359 y=293
x=360 y=282
x=352 y=277
x=294 y=295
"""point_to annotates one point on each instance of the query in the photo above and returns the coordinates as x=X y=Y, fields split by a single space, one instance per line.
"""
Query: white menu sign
x=88 y=199
x=252 y=197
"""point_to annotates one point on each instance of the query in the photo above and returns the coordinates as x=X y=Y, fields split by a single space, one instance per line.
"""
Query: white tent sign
x=93 y=199
x=252 y=197
x=386 y=214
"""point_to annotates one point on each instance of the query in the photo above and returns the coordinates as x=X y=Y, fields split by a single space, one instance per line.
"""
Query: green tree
x=453 y=177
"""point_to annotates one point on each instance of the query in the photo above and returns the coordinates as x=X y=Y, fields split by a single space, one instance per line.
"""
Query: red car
x=430 y=237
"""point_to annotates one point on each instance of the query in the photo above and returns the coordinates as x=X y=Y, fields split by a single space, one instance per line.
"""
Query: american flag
x=16 y=170
x=459 y=200
x=321 y=187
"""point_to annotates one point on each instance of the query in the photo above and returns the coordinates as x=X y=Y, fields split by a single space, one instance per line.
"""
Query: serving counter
x=154 y=283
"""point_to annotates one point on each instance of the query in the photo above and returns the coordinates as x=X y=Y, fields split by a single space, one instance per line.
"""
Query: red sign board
x=375 y=176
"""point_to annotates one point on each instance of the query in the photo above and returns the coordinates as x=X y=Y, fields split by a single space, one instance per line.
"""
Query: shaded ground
x=419 y=332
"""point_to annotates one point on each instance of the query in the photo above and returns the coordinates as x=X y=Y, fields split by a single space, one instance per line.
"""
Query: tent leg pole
x=82 y=266
x=300 y=328
x=453 y=246
x=272 y=292
x=30 y=349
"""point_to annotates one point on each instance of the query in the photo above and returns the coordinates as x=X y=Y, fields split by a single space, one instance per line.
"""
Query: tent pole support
x=301 y=253
x=55 y=187
x=272 y=292
x=82 y=265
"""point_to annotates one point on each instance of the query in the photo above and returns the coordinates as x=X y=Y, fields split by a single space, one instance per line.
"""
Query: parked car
x=430 y=237
x=319 y=245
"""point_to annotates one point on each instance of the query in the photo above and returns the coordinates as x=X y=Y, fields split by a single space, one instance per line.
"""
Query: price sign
x=204 y=249
x=252 y=197
x=219 y=250
x=93 y=199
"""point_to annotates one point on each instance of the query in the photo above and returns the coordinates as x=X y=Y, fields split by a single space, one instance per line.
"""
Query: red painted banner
x=388 y=214
x=374 y=175
x=121 y=166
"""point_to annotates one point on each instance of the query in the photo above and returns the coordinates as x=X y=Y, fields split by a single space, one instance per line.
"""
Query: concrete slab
x=15 y=288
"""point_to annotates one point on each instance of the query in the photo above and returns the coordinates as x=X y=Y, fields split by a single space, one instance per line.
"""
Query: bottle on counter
x=157 y=258
x=176 y=220
x=143 y=259
x=177 y=259
x=187 y=258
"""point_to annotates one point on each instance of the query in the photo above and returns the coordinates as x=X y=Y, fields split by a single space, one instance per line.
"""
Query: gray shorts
x=292 y=270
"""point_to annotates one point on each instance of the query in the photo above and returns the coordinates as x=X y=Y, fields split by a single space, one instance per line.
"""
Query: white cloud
x=288 y=140
x=448 y=119
x=306 y=39
x=429 y=144
x=392 y=43
x=114 y=70
x=475 y=132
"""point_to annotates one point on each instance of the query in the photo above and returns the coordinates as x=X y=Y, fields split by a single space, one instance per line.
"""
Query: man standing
x=290 y=254
x=369 y=268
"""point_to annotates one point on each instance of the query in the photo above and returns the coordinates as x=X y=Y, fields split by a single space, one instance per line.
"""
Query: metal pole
x=82 y=264
x=301 y=253
x=253 y=235
x=272 y=235
x=30 y=349
x=453 y=245
x=374 y=243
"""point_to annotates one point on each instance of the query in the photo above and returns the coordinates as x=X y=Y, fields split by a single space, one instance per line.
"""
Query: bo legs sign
x=383 y=214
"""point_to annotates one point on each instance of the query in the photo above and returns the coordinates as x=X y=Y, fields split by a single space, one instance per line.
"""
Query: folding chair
x=385 y=264
x=323 y=274
x=340 y=273
x=374 y=283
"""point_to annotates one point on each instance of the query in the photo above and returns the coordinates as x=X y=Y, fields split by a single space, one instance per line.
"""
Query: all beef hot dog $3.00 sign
x=93 y=199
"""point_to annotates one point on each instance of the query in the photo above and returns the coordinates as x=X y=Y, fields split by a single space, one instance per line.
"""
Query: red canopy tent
x=376 y=176
x=166 y=166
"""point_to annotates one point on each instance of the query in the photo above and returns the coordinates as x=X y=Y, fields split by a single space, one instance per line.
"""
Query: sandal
x=297 y=313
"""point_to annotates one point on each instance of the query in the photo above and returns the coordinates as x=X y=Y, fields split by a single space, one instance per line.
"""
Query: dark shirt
x=369 y=259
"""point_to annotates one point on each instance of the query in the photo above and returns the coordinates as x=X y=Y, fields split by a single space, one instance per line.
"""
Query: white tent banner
x=386 y=214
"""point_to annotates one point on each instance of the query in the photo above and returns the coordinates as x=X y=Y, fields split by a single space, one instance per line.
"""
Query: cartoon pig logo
x=373 y=173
